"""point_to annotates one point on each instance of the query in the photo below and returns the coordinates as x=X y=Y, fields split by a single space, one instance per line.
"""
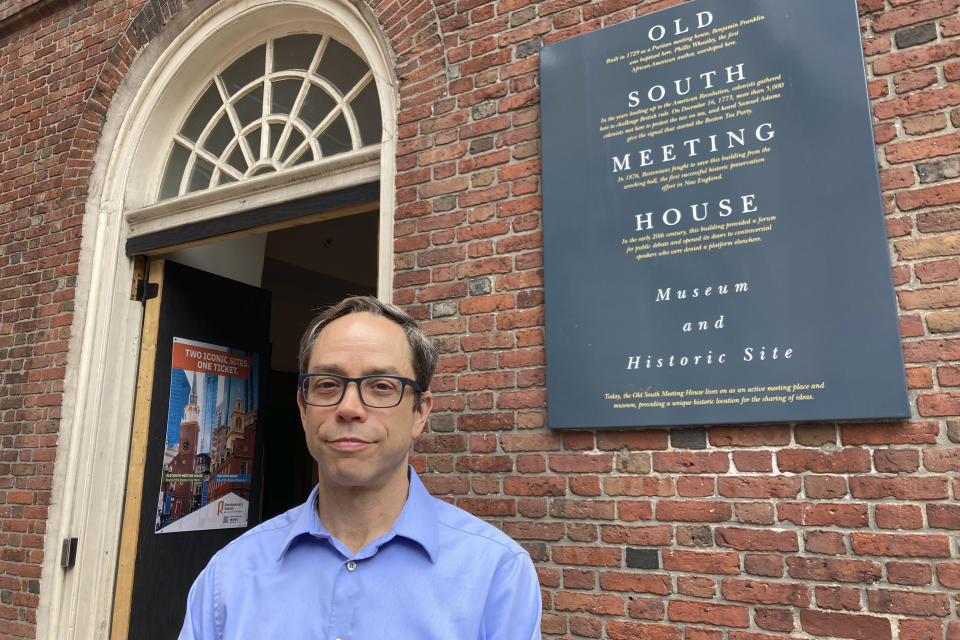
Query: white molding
x=99 y=389
x=338 y=172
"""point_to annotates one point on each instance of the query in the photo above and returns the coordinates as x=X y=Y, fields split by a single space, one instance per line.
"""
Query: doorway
x=305 y=268
x=294 y=271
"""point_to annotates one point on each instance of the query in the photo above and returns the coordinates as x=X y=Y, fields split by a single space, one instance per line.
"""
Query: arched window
x=289 y=101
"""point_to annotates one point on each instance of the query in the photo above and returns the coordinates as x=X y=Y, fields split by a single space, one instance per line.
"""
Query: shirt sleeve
x=513 y=607
x=201 y=619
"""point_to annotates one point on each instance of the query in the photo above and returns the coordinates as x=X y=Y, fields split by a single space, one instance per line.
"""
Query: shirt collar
x=417 y=521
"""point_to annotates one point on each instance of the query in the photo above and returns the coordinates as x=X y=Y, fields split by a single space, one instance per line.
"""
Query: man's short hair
x=423 y=353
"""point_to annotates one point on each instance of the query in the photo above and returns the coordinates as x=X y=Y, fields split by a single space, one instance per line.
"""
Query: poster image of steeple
x=210 y=436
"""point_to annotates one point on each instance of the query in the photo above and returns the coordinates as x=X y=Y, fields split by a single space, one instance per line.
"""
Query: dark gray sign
x=714 y=242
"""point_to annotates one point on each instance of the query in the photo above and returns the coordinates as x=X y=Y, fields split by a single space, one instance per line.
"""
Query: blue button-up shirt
x=438 y=573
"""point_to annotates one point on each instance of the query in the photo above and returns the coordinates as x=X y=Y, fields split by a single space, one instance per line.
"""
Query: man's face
x=355 y=445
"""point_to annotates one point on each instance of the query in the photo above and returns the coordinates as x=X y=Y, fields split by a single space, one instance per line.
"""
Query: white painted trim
x=94 y=437
x=338 y=172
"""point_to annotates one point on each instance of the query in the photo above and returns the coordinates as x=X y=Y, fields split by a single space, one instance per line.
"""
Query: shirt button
x=351 y=566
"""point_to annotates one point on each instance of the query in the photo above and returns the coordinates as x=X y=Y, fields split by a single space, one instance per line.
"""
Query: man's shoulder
x=263 y=542
x=456 y=523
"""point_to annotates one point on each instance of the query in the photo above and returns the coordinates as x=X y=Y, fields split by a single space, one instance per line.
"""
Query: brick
x=823 y=514
x=693 y=511
x=587 y=556
x=927 y=123
x=920 y=629
x=919 y=378
x=757 y=539
x=876 y=434
x=948 y=574
x=760 y=592
x=828 y=542
x=900 y=545
x=941 y=220
x=909 y=573
x=843 y=625
x=913 y=36
x=908 y=602
x=938 y=404
x=921 y=102
x=899 y=516
x=904 y=488
x=940 y=169
x=635 y=582
x=838 y=598
x=913 y=150
x=929 y=197
x=896 y=460
x=774 y=619
x=597 y=604
x=759 y=487
x=851 y=460
x=943 y=516
x=582 y=509
x=637 y=535
x=534 y=486
x=625 y=630
x=708 y=613
x=914 y=13
x=581 y=463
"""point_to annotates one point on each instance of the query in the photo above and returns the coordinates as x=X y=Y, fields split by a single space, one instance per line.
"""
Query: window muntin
x=287 y=102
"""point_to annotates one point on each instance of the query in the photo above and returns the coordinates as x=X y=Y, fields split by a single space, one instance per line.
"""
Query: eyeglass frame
x=404 y=383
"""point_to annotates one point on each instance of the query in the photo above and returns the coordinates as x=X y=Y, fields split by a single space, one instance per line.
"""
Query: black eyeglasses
x=379 y=391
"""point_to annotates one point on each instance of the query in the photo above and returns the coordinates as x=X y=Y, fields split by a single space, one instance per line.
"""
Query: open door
x=194 y=480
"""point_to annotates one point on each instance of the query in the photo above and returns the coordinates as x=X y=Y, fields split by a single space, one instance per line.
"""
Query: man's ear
x=303 y=409
x=422 y=412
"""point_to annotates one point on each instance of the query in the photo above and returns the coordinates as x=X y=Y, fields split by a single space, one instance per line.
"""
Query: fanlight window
x=287 y=102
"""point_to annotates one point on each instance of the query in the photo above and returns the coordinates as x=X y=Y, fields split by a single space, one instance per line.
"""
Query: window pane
x=200 y=178
x=294 y=52
x=219 y=137
x=245 y=70
x=170 y=186
x=275 y=130
x=306 y=156
x=284 y=95
x=226 y=178
x=236 y=160
x=250 y=106
x=335 y=138
x=292 y=143
x=316 y=106
x=253 y=139
x=201 y=114
x=366 y=108
x=341 y=66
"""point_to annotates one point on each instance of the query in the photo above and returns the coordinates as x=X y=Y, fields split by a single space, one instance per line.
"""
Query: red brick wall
x=724 y=533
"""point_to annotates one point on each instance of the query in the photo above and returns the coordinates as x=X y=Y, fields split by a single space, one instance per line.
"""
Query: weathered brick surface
x=738 y=533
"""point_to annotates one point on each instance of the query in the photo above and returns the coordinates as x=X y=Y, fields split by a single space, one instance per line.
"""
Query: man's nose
x=351 y=405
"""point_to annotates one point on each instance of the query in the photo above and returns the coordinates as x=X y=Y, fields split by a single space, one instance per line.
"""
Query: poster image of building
x=210 y=437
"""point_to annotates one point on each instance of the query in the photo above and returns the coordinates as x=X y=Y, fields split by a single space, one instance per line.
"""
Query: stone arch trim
x=413 y=30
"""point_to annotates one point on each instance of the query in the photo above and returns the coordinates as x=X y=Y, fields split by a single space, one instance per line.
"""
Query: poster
x=210 y=437
x=714 y=243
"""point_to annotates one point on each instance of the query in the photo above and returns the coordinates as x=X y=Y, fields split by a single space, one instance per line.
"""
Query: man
x=370 y=555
